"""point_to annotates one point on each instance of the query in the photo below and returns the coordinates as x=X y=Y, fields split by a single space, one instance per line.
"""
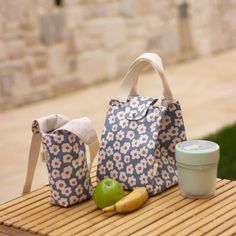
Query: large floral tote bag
x=64 y=143
x=140 y=134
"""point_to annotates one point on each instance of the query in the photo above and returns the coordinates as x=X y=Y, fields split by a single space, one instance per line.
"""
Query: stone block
x=100 y=33
x=2 y=25
x=148 y=7
x=31 y=39
x=92 y=67
x=136 y=28
x=111 y=66
x=38 y=58
x=154 y=42
x=73 y=17
x=16 y=65
x=37 y=50
x=41 y=62
x=84 y=40
x=129 y=8
x=7 y=81
x=67 y=3
x=202 y=43
x=128 y=53
x=166 y=10
x=22 y=86
x=45 y=5
x=39 y=77
x=63 y=86
x=72 y=63
x=154 y=24
x=11 y=11
x=16 y=48
x=14 y=81
x=56 y=60
x=135 y=47
x=3 y=51
x=29 y=66
x=166 y=39
x=170 y=40
x=19 y=14
x=134 y=8
x=96 y=10
x=12 y=35
x=111 y=32
x=52 y=27
x=37 y=94
x=28 y=17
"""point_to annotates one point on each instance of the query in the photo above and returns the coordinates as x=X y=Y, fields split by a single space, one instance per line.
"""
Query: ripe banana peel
x=130 y=202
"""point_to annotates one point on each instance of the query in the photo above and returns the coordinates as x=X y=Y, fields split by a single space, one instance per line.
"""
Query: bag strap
x=32 y=161
x=128 y=85
x=87 y=135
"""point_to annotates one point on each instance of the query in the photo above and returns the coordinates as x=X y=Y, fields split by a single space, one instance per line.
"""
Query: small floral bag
x=140 y=134
x=64 y=144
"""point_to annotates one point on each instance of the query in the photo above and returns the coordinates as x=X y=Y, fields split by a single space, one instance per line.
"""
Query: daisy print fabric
x=138 y=144
x=69 y=176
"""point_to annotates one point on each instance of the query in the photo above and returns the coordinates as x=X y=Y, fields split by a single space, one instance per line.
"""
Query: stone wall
x=50 y=47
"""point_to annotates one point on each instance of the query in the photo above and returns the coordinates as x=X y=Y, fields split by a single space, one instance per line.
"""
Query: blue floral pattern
x=69 y=177
x=138 y=144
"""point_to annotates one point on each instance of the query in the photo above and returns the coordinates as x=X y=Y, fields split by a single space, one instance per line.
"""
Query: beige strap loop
x=32 y=161
x=129 y=83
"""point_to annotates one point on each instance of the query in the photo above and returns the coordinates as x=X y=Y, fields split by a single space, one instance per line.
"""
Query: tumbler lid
x=197 y=152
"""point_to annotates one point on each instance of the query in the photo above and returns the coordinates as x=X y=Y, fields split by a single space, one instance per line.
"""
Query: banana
x=130 y=202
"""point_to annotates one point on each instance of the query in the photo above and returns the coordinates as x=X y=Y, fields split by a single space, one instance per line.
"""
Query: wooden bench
x=168 y=213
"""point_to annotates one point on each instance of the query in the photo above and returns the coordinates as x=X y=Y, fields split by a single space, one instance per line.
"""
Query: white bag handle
x=129 y=83
x=86 y=133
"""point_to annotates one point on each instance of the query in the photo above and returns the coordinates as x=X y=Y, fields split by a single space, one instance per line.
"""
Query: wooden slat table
x=169 y=213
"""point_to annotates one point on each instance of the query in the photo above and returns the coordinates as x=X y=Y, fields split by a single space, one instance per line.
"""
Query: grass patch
x=226 y=138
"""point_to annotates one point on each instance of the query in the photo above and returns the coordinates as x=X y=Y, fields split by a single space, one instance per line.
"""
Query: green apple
x=107 y=192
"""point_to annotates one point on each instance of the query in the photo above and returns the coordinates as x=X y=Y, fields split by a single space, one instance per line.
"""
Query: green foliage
x=226 y=138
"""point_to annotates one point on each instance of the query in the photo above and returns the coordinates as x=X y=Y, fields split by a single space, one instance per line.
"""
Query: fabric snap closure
x=137 y=107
